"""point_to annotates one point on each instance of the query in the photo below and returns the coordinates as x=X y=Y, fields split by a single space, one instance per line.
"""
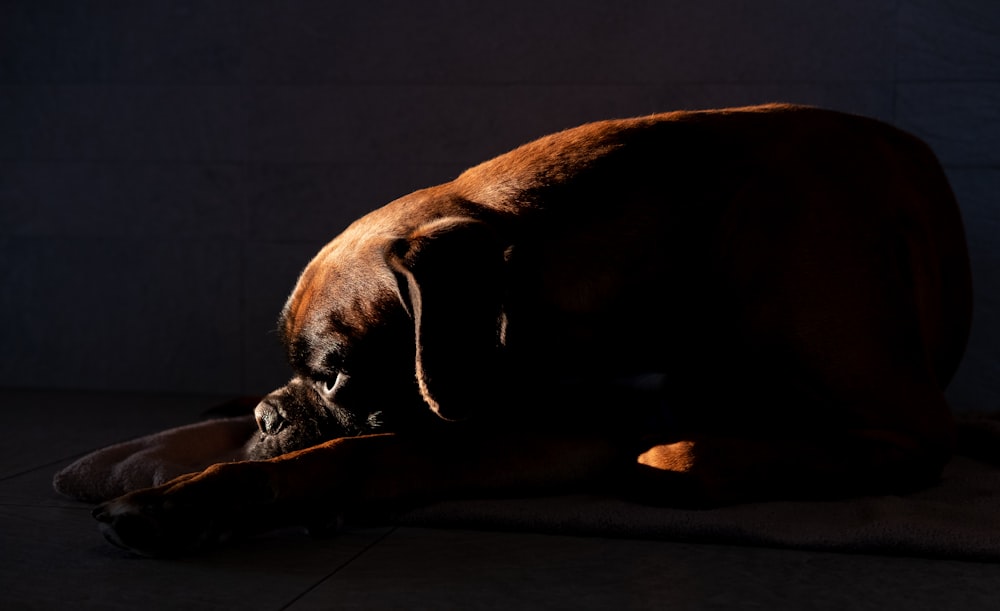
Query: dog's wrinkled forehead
x=337 y=298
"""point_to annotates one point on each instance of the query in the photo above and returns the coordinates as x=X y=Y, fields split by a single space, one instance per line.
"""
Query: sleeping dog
x=688 y=308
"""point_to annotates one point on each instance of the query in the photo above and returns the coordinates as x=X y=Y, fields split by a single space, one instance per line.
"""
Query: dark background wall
x=167 y=167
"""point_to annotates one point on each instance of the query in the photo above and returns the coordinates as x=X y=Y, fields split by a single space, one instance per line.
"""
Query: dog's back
x=752 y=242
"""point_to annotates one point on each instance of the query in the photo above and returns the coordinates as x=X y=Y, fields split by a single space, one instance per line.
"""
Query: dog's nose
x=269 y=421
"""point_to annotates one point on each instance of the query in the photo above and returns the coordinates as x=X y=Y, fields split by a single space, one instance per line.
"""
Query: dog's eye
x=329 y=386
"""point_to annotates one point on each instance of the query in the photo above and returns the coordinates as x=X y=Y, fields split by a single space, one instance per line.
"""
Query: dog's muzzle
x=269 y=421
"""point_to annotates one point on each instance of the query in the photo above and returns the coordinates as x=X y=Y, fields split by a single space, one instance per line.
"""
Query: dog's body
x=788 y=286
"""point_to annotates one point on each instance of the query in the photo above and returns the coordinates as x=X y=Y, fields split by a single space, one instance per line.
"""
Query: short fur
x=686 y=308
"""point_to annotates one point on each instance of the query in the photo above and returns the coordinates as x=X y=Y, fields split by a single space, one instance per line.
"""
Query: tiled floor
x=51 y=556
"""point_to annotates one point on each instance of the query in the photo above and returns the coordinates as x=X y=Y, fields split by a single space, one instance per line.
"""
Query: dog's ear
x=450 y=275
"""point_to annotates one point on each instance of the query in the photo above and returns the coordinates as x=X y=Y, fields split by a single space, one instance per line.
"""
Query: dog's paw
x=190 y=513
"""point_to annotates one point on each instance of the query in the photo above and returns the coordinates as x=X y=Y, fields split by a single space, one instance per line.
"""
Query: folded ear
x=451 y=280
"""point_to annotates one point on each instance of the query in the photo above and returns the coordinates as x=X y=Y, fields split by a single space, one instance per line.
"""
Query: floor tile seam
x=40 y=505
x=338 y=568
x=49 y=464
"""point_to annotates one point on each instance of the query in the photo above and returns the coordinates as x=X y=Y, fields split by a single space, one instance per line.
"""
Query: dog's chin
x=263 y=446
x=296 y=437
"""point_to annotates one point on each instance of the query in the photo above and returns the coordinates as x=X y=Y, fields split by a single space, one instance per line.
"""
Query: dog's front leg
x=236 y=499
x=348 y=475
x=191 y=511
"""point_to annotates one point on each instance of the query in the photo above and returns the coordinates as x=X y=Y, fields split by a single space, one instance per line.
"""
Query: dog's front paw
x=189 y=513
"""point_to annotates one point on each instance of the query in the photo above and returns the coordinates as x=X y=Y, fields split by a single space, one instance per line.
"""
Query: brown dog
x=686 y=308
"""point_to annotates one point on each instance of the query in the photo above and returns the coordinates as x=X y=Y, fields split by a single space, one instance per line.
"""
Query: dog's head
x=395 y=324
